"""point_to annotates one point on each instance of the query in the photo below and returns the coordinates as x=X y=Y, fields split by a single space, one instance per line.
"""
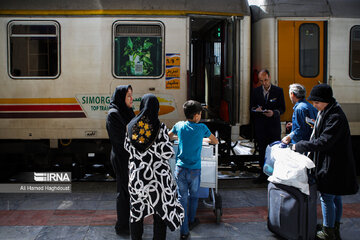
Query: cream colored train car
x=311 y=42
x=61 y=61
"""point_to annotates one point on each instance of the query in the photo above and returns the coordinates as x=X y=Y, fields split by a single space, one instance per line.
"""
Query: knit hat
x=321 y=93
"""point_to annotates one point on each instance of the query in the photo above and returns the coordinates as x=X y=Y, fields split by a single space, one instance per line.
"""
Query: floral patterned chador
x=151 y=184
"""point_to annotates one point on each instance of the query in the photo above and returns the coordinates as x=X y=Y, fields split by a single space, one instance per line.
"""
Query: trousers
x=331 y=207
x=159 y=230
x=123 y=196
x=188 y=182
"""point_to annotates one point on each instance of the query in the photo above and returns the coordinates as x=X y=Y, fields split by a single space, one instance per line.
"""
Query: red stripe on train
x=9 y=108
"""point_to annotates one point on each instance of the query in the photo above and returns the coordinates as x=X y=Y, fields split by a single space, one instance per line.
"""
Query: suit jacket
x=268 y=127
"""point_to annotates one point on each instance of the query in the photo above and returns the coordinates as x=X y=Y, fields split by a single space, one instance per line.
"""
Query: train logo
x=97 y=105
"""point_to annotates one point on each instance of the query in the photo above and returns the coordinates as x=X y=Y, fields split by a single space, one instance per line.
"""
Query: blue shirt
x=190 y=136
x=300 y=129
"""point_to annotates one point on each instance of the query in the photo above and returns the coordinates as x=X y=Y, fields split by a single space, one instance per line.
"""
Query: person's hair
x=191 y=108
x=298 y=90
x=265 y=71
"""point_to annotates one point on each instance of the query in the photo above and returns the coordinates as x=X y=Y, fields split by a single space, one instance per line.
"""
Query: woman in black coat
x=331 y=149
x=119 y=116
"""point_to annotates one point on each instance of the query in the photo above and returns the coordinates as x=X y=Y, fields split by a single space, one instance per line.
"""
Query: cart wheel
x=218 y=201
x=218 y=215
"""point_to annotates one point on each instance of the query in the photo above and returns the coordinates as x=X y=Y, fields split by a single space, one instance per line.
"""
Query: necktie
x=266 y=97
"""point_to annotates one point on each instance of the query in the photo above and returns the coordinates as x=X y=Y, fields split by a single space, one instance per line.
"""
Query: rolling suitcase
x=291 y=213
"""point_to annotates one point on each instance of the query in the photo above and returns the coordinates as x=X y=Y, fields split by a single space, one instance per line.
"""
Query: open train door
x=212 y=61
x=214 y=76
x=301 y=57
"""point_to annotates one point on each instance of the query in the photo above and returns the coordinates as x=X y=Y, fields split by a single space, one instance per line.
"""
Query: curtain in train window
x=33 y=49
x=138 y=50
x=309 y=50
x=355 y=53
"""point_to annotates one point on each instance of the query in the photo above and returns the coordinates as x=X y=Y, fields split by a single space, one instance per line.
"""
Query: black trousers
x=159 y=230
x=123 y=196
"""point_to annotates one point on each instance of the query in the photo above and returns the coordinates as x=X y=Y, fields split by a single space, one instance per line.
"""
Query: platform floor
x=89 y=213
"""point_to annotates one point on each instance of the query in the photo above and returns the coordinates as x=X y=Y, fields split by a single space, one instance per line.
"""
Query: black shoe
x=193 y=224
x=122 y=231
x=184 y=236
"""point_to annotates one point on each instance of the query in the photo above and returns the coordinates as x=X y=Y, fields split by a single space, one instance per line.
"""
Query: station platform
x=89 y=213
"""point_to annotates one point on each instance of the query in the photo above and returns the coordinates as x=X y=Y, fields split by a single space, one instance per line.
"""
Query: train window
x=33 y=50
x=309 y=50
x=217 y=55
x=355 y=52
x=138 y=49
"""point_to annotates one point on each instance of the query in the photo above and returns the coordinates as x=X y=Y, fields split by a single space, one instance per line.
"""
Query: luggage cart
x=209 y=175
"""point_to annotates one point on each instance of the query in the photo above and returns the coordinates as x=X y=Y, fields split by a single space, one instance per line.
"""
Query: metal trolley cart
x=209 y=175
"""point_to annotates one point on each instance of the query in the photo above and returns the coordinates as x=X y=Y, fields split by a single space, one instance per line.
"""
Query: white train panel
x=86 y=82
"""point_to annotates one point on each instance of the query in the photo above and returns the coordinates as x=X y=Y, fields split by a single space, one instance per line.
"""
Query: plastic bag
x=270 y=158
x=290 y=168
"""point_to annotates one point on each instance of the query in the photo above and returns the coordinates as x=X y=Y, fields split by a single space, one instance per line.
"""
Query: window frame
x=34 y=22
x=350 y=52
x=138 y=22
x=318 y=51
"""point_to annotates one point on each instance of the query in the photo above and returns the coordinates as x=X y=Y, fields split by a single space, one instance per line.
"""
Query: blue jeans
x=331 y=206
x=188 y=184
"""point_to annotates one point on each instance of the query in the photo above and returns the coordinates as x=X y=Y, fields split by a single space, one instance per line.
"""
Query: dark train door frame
x=213 y=57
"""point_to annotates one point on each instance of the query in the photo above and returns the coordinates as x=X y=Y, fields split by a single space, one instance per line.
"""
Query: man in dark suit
x=267 y=104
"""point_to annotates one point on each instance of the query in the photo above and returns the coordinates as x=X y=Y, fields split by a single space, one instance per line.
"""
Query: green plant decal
x=138 y=52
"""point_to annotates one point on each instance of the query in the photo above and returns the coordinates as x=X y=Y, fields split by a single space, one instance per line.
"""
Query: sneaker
x=326 y=234
x=193 y=224
x=184 y=236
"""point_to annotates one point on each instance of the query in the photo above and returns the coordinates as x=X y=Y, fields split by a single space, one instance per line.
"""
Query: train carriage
x=61 y=61
x=311 y=42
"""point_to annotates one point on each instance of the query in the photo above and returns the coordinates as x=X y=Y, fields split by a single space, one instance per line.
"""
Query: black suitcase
x=291 y=213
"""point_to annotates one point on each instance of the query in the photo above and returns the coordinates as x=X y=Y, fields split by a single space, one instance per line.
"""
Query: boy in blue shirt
x=187 y=173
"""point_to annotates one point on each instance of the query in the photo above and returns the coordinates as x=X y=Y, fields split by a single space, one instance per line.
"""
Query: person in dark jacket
x=330 y=148
x=267 y=104
x=119 y=115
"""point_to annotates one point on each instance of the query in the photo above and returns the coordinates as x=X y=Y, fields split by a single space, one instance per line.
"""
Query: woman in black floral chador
x=151 y=184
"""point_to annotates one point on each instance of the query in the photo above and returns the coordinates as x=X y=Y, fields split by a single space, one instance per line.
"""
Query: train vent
x=138 y=30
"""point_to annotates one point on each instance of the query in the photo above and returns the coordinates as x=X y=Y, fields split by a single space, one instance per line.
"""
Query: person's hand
x=289 y=125
x=259 y=108
x=286 y=139
x=293 y=147
x=269 y=113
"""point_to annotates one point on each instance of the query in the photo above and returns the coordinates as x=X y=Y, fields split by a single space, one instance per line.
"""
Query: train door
x=210 y=65
x=301 y=57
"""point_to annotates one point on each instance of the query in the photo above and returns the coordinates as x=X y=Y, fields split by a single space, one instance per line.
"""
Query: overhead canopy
x=137 y=7
x=305 y=8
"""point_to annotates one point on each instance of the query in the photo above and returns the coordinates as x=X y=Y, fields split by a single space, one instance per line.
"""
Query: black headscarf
x=143 y=129
x=118 y=102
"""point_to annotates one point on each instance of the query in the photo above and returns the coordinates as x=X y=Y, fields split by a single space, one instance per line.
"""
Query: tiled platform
x=89 y=213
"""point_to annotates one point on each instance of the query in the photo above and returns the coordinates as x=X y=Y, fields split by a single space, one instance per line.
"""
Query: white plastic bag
x=290 y=168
